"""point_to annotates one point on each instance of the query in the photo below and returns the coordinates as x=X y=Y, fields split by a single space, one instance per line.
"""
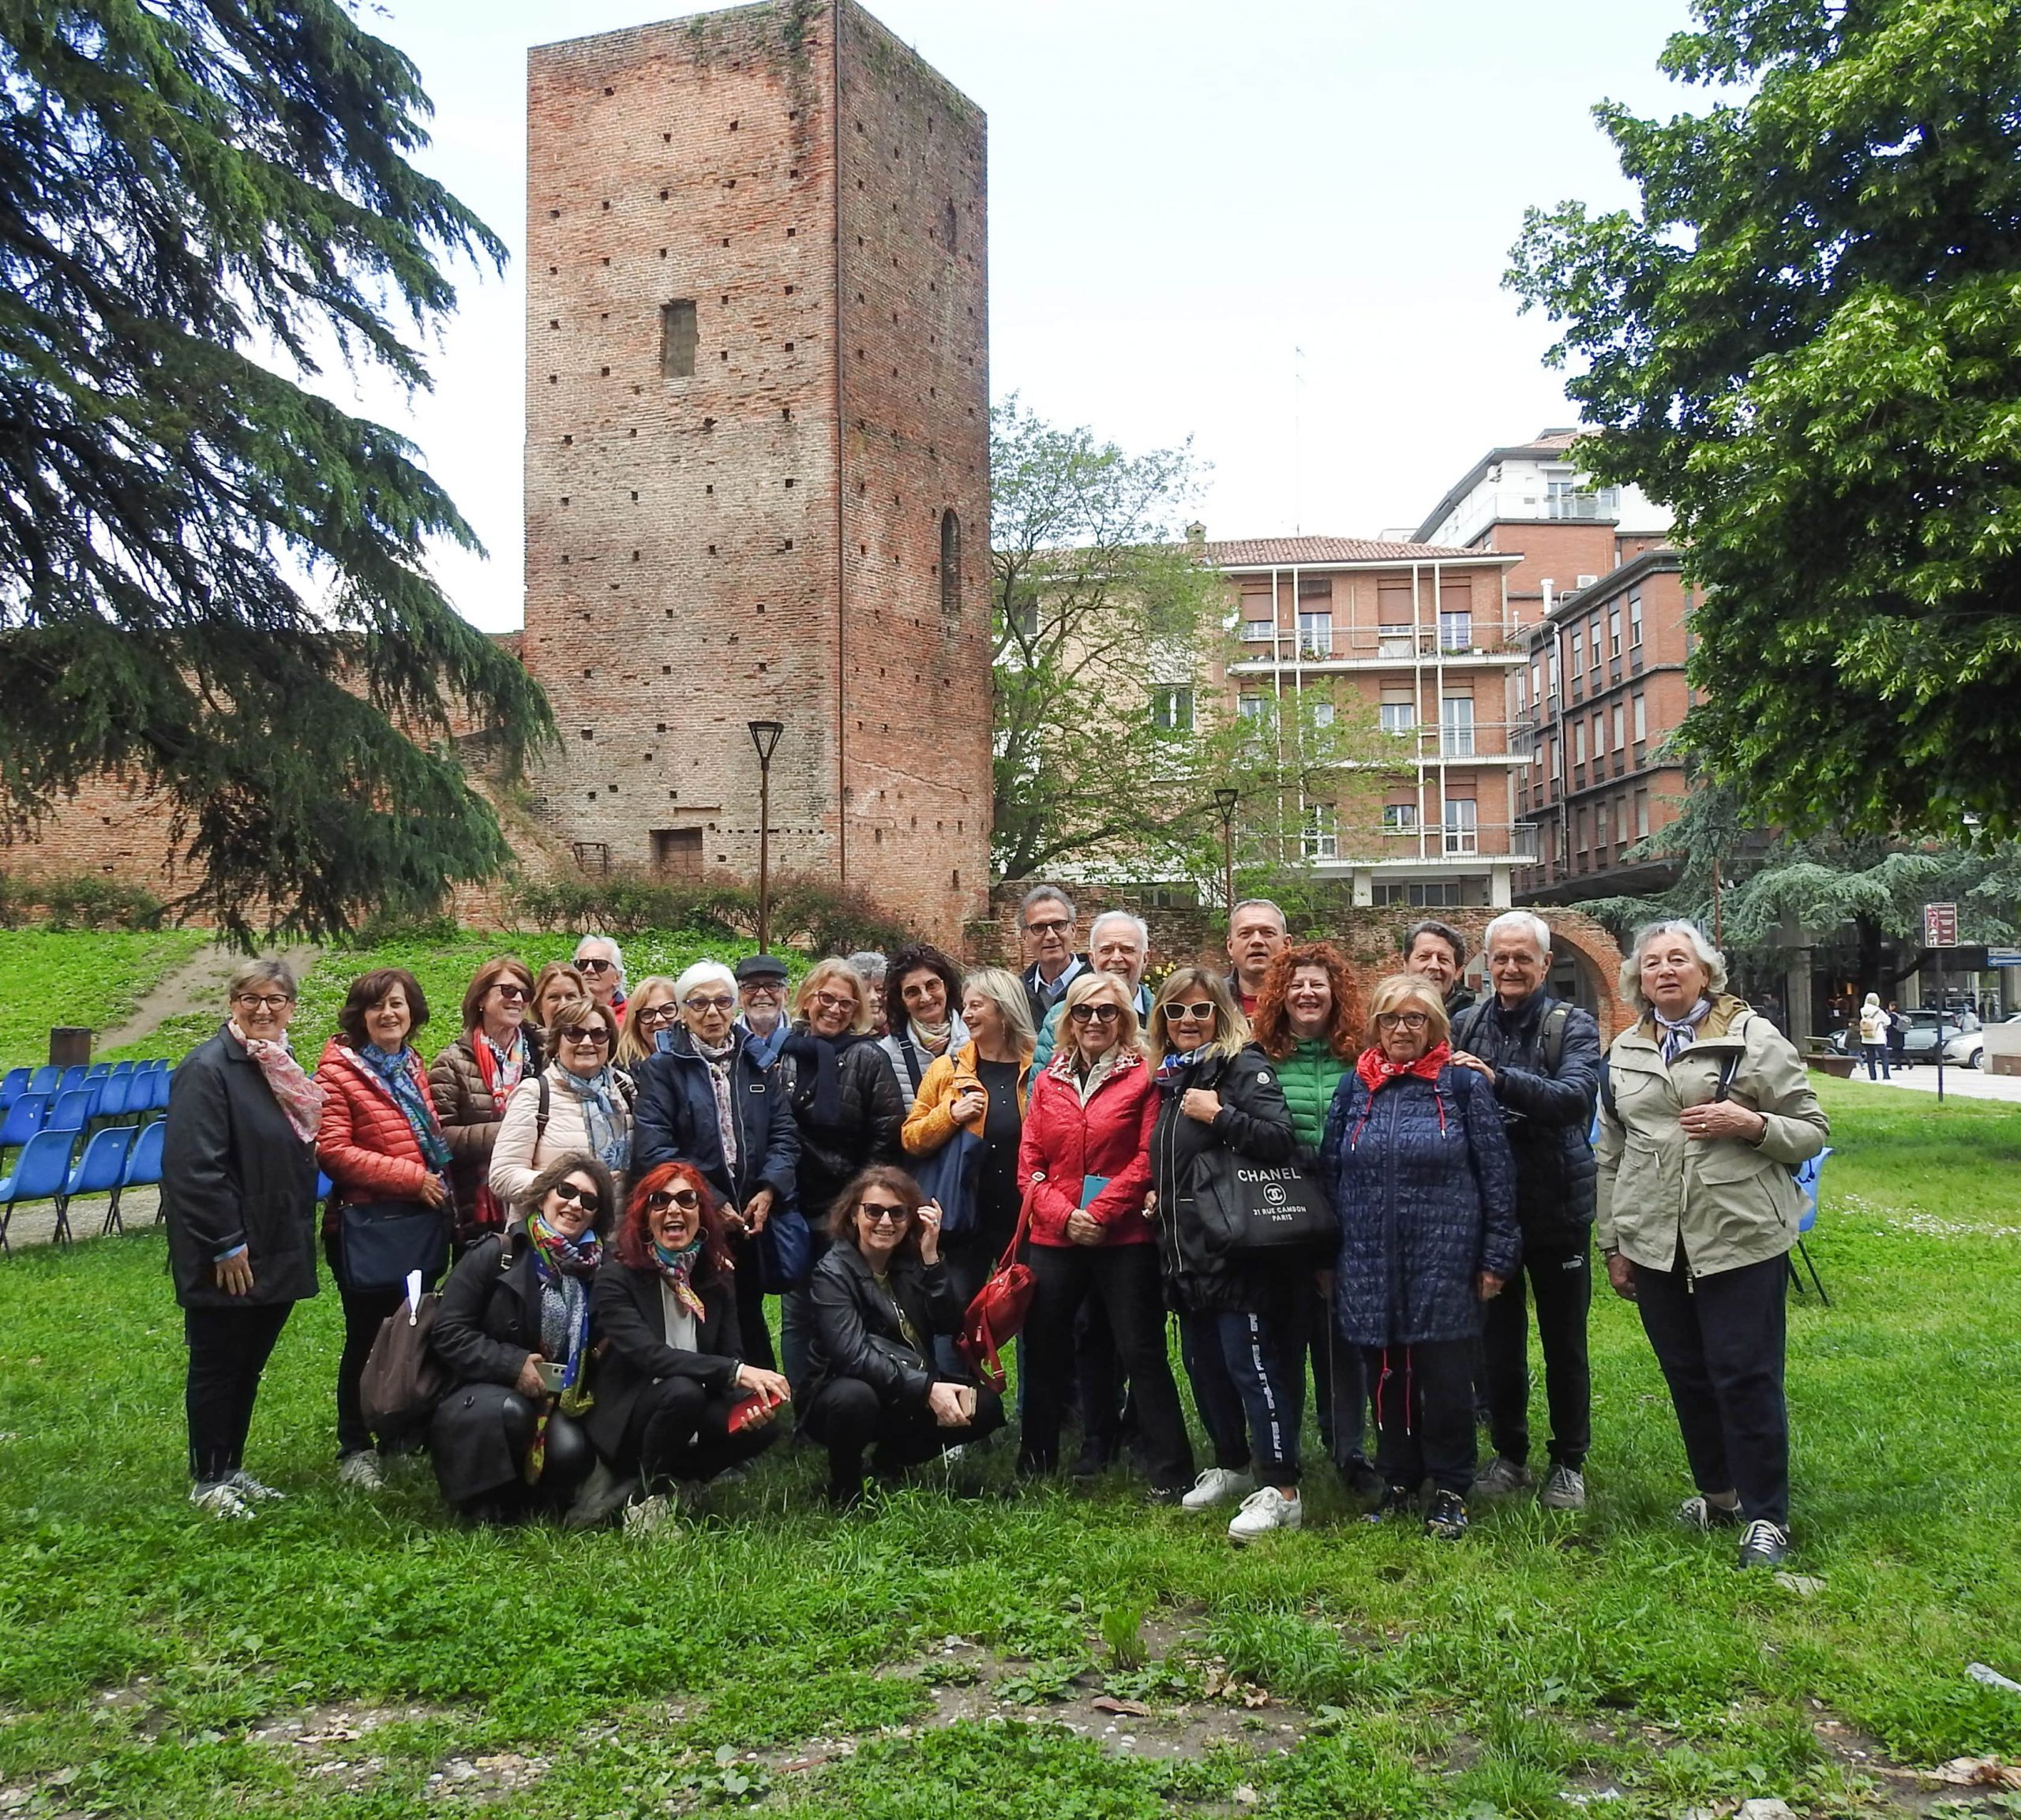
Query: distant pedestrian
x=1875 y=1025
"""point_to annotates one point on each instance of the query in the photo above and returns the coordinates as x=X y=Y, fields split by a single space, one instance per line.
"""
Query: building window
x=1599 y=736
x=1456 y=727
x=1620 y=726
x=1462 y=829
x=1578 y=651
x=1593 y=638
x=1614 y=631
x=1635 y=620
x=1578 y=742
x=1315 y=634
x=1557 y=762
x=678 y=337
x=1641 y=815
x=1640 y=706
x=1322 y=837
x=1322 y=714
x=677 y=852
x=1258 y=631
x=1393 y=641
x=1600 y=831
x=1315 y=587
x=1537 y=682
x=1456 y=631
x=1250 y=707
x=1428 y=894
x=950 y=564
x=1172 y=708
x=1400 y=717
x=1400 y=818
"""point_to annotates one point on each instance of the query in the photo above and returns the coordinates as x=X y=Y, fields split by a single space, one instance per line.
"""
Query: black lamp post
x=1224 y=803
x=765 y=736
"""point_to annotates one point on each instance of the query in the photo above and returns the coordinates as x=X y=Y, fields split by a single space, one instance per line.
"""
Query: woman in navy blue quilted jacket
x=1421 y=1177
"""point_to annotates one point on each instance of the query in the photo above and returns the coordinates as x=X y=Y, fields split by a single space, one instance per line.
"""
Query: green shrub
x=807 y=913
x=80 y=900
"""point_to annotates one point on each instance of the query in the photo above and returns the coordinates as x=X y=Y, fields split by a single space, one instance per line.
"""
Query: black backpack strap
x=1461 y=1033
x=546 y=1106
x=1553 y=1045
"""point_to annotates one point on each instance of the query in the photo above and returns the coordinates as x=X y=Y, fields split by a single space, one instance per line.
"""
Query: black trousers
x=1424 y=1413
x=1340 y=1390
x=1124 y=1278
x=364 y=1310
x=229 y=1348
x=1720 y=1340
x=1560 y=1280
x=678 y=1430
x=848 y=1419
x=751 y=1327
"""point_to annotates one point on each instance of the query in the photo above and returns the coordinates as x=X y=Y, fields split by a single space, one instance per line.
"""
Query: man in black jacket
x=1543 y=1058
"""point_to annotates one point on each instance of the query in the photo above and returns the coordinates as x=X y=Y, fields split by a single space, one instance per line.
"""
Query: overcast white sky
x=1182 y=193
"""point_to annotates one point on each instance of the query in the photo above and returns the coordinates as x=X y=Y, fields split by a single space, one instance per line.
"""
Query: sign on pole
x=1939 y=925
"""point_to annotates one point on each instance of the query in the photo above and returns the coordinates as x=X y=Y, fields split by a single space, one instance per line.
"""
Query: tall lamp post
x=1224 y=803
x=765 y=736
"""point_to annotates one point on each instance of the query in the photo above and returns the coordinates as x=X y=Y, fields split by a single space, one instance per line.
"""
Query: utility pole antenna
x=1298 y=441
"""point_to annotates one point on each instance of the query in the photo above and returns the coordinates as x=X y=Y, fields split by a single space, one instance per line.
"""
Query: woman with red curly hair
x=675 y=1400
x=1308 y=1020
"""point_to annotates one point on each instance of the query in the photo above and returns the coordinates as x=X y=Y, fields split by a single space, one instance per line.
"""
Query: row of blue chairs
x=136 y=1093
x=117 y=1086
x=121 y=1157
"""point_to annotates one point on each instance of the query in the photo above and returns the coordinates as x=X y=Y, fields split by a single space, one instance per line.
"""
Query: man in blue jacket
x=1542 y=1057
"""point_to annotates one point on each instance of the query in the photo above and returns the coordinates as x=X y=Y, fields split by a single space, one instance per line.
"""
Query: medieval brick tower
x=757 y=452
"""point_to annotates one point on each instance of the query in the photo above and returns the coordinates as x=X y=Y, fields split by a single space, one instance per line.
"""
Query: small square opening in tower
x=679 y=336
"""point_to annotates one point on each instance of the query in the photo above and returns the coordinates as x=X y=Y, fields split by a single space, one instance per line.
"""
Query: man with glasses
x=705 y=1098
x=761 y=990
x=1046 y=931
x=1118 y=943
x=1542 y=1057
x=602 y=965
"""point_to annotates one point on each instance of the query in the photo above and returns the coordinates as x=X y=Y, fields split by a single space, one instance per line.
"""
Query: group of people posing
x=1366 y=1189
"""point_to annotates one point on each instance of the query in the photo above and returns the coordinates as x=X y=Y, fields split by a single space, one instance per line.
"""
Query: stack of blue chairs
x=46 y=1113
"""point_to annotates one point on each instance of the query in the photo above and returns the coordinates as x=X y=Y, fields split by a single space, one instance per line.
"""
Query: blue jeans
x=1248 y=1372
x=1875 y=1052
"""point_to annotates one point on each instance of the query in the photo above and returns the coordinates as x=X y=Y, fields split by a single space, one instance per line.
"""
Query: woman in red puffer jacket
x=380 y=1143
x=1084 y=1168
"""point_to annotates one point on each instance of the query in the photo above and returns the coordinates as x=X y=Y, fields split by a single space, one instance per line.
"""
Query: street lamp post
x=1224 y=803
x=765 y=736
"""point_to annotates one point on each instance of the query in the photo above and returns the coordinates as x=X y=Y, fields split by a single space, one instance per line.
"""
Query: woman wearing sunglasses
x=1242 y=1322
x=471 y=1082
x=879 y=1297
x=513 y=1332
x=578 y=1105
x=1422 y=1179
x=672 y=1375
x=1084 y=1170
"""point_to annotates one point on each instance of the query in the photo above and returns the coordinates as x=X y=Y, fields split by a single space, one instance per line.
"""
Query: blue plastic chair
x=114 y=1092
x=97 y=1070
x=73 y=1078
x=158 y=1078
x=70 y=1111
x=12 y=1087
x=100 y=1170
x=46 y=1078
x=1808 y=1176
x=120 y=1068
x=24 y=1118
x=144 y=1161
x=41 y=1174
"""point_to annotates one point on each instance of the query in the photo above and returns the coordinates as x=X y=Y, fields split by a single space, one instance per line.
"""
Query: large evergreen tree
x=1807 y=337
x=212 y=579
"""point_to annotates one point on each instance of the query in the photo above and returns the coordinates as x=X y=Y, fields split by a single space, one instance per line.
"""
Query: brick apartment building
x=757 y=452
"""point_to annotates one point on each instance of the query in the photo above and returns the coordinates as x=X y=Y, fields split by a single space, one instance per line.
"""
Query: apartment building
x=1425 y=638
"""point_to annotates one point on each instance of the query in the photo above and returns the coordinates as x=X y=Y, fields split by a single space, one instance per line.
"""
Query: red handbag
x=999 y=1307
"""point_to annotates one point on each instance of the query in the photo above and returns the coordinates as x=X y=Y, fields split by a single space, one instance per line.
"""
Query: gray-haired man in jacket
x=1542 y=1056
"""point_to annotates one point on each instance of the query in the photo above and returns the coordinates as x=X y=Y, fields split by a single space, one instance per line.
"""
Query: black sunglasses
x=585 y=1198
x=665 y=1197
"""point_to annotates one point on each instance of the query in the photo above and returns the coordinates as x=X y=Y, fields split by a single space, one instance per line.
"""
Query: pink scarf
x=299 y=1097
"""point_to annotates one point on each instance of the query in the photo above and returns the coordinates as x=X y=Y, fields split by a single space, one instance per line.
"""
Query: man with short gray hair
x=1046 y=931
x=1542 y=1057
x=1118 y=942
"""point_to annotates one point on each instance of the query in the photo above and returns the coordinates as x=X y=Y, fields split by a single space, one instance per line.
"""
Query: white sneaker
x=1216 y=1486
x=251 y=1489
x=361 y=1472
x=646 y=1515
x=1264 y=1510
x=218 y=1499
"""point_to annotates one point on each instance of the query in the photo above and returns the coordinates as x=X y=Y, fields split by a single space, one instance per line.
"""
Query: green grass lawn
x=92 y=980
x=339 y=1656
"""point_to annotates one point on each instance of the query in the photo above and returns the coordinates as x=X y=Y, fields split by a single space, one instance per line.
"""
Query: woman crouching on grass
x=676 y=1403
x=513 y=1332
x=879 y=1296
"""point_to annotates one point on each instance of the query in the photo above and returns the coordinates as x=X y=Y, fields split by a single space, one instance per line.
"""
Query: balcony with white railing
x=1495 y=841
x=1264 y=650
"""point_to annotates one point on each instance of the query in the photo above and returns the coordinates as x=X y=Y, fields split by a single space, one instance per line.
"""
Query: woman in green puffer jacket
x=1308 y=1020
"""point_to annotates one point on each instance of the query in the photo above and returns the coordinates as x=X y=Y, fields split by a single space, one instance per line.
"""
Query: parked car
x=1918 y=1040
x=1968 y=1048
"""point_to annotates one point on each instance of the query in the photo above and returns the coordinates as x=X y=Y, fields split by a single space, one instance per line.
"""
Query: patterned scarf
x=298 y=1095
x=933 y=1038
x=677 y=1267
x=563 y=1266
x=1377 y=1071
x=501 y=1068
x=718 y=1061
x=1178 y=1064
x=1676 y=1034
x=399 y=1072
x=611 y=1140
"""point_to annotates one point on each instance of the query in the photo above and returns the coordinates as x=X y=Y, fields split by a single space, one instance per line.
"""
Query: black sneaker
x=1699 y=1512
x=1396 y=1501
x=1764 y=1544
x=1446 y=1520
x=1172 y=1495
x=1361 y=1479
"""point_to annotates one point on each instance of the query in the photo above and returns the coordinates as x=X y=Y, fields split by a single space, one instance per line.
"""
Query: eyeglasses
x=1055 y=926
x=1401 y=1021
x=596 y=966
x=879 y=1213
x=1096 y=1013
x=1202 y=1013
x=723 y=1001
x=511 y=994
x=662 y=1198
x=587 y=1199
x=834 y=1002
x=596 y=1039
x=656 y=1014
x=266 y=1002
x=763 y=988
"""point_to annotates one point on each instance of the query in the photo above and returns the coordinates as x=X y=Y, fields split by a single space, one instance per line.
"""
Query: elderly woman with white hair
x=705 y=1098
x=1705 y=1108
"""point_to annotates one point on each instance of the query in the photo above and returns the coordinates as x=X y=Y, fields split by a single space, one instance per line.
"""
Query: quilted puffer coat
x=1065 y=1142
x=1424 y=1185
x=364 y=1142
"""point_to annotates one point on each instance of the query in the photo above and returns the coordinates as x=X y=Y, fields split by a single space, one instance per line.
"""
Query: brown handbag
x=403 y=1380
x=999 y=1307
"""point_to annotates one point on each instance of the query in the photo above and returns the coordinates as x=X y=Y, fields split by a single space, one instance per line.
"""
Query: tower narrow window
x=679 y=336
x=950 y=564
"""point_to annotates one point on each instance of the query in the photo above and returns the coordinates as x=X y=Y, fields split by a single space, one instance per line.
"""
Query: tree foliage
x=212 y=579
x=1113 y=730
x=1807 y=337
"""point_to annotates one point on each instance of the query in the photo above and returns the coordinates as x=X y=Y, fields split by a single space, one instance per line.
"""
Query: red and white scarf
x=300 y=1097
x=1377 y=1071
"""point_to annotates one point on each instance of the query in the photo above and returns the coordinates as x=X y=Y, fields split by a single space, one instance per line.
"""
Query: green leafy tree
x=1112 y=729
x=211 y=578
x=1807 y=337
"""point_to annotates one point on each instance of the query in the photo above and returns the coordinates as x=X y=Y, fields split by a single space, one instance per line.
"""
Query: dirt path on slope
x=197 y=985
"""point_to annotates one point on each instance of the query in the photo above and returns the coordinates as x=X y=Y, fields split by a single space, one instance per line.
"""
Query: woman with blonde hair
x=554 y=986
x=651 y=1009
x=1242 y=1321
x=1424 y=1185
x=1084 y=1167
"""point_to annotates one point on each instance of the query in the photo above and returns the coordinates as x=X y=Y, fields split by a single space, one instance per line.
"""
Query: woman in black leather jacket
x=1243 y=1322
x=879 y=1297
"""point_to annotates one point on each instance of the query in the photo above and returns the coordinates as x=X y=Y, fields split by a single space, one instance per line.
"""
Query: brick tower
x=757 y=452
